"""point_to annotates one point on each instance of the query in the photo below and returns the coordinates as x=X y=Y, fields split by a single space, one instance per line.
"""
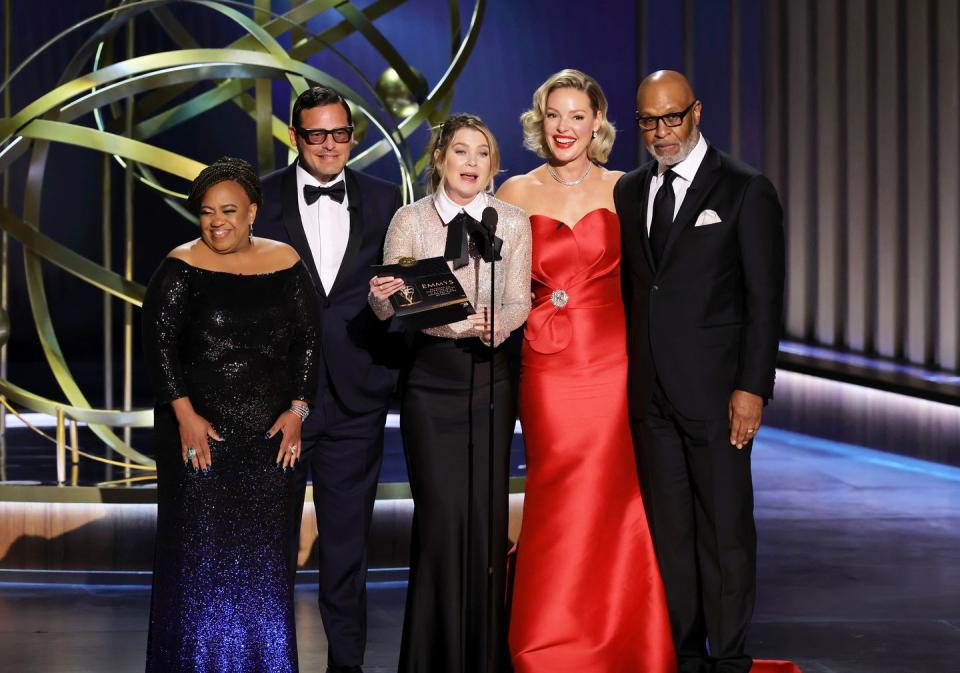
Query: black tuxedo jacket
x=707 y=320
x=361 y=355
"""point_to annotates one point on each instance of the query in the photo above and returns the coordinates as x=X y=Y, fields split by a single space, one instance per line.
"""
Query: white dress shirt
x=327 y=226
x=685 y=170
x=449 y=209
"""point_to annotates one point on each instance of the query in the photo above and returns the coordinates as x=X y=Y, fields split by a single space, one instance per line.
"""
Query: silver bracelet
x=301 y=410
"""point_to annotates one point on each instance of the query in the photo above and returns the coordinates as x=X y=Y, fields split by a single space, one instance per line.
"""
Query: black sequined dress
x=241 y=348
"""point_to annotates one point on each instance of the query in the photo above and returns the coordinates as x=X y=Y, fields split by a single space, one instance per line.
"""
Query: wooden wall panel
x=829 y=129
x=859 y=213
x=947 y=141
x=920 y=226
x=800 y=160
x=889 y=279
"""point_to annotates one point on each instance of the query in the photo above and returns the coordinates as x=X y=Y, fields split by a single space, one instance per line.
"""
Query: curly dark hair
x=221 y=170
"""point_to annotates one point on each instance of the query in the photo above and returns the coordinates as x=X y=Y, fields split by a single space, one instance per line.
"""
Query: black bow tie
x=336 y=192
x=466 y=235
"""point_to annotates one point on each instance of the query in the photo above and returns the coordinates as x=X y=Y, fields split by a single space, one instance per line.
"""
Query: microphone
x=484 y=235
x=488 y=220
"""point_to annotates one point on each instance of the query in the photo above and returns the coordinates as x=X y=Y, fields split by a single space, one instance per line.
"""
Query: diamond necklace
x=564 y=181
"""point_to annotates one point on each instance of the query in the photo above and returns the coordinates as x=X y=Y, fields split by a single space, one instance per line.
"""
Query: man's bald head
x=662 y=97
x=669 y=82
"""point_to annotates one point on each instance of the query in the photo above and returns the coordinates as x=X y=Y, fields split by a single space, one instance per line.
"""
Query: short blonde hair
x=532 y=120
x=440 y=141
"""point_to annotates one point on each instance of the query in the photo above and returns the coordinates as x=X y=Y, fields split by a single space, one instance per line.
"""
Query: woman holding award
x=587 y=593
x=445 y=404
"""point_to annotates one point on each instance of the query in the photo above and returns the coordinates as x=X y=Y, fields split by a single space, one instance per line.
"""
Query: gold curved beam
x=389 y=53
x=45 y=131
x=33 y=272
x=138 y=418
x=82 y=136
x=437 y=102
x=32 y=263
x=277 y=26
x=67 y=91
x=435 y=97
x=70 y=261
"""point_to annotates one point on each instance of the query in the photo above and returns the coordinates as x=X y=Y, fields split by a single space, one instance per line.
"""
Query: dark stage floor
x=859 y=573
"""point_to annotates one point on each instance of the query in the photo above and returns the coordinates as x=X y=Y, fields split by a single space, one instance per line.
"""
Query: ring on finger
x=292 y=448
x=191 y=454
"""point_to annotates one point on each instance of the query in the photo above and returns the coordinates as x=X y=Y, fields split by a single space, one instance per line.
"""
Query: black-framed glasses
x=340 y=135
x=672 y=119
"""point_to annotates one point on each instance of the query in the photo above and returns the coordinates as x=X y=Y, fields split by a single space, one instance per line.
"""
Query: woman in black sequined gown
x=231 y=337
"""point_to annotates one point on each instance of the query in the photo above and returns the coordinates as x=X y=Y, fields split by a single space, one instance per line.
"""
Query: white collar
x=687 y=169
x=448 y=209
x=304 y=177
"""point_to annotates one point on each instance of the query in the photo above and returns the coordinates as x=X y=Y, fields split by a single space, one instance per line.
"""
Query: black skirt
x=444 y=420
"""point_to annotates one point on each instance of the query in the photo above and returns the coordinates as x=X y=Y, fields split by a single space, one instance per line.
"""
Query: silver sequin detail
x=559 y=298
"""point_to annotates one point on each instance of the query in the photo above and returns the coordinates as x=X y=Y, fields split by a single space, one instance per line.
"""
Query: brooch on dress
x=559 y=298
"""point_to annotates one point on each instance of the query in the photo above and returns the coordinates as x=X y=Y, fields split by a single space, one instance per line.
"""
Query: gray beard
x=685 y=149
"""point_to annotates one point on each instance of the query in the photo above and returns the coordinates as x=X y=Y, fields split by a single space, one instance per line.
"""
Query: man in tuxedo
x=703 y=258
x=337 y=219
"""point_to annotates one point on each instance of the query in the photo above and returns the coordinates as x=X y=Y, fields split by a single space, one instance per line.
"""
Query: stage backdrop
x=850 y=107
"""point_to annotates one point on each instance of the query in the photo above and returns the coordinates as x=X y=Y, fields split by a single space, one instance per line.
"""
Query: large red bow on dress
x=548 y=325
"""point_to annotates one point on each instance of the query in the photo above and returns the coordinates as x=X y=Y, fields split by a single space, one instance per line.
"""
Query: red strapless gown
x=587 y=595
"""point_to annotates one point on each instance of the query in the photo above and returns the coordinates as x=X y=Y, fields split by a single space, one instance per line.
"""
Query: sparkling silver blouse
x=418 y=231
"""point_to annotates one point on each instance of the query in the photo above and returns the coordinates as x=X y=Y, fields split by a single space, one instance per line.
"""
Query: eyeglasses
x=672 y=119
x=319 y=136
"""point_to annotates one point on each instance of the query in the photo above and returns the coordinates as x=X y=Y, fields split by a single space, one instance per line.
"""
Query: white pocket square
x=707 y=217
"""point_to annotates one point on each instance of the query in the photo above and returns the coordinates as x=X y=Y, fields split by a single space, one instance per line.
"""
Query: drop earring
x=594 y=135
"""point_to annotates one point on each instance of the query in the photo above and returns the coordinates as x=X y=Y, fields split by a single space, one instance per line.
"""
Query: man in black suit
x=703 y=258
x=337 y=219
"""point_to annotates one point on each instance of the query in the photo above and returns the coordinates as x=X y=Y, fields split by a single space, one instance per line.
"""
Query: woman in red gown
x=587 y=592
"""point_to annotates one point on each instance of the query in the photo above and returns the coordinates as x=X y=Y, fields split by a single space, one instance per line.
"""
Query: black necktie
x=663 y=205
x=336 y=192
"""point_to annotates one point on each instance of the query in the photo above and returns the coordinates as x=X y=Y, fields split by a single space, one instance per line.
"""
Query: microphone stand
x=471 y=454
x=489 y=233
x=491 y=657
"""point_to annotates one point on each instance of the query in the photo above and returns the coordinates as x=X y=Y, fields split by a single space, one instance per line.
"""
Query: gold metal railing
x=65 y=425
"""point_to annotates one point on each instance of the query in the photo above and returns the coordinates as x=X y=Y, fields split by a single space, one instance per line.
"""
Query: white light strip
x=35 y=419
x=817 y=387
x=46 y=421
x=13 y=143
x=393 y=422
